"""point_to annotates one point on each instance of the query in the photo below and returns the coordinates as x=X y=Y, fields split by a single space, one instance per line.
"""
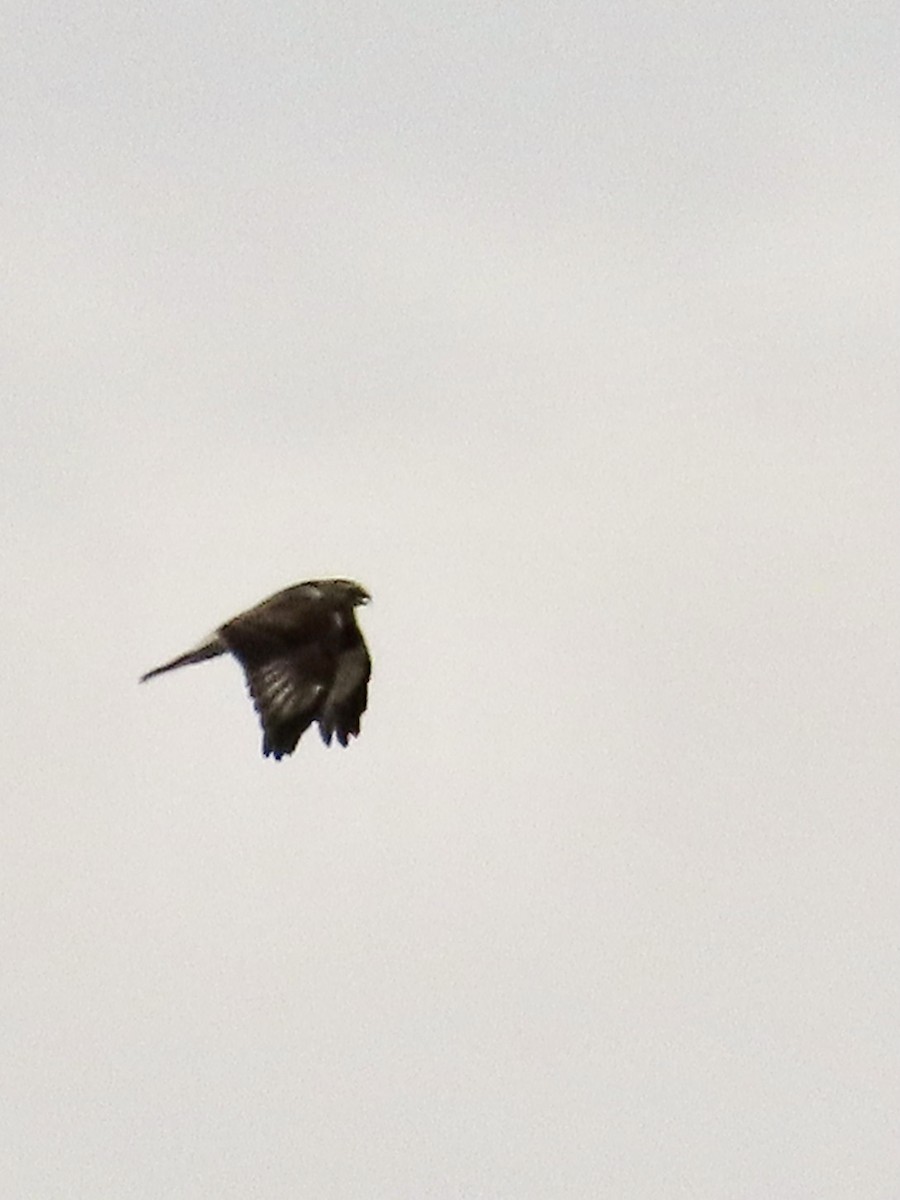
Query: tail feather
x=211 y=648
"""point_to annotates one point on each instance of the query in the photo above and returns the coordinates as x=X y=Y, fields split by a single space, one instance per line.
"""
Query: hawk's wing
x=287 y=692
x=287 y=663
x=348 y=694
x=303 y=659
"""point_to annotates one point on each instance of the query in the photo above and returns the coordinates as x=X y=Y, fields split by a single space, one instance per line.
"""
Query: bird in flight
x=304 y=658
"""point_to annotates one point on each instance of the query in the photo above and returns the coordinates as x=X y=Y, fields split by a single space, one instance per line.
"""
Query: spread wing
x=287 y=664
x=348 y=694
x=287 y=692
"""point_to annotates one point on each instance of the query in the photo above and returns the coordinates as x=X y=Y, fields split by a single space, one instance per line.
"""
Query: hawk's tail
x=211 y=648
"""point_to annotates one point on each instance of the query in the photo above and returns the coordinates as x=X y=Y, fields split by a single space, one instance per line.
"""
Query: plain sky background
x=571 y=331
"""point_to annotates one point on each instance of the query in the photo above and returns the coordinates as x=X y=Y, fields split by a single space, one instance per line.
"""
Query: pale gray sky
x=571 y=332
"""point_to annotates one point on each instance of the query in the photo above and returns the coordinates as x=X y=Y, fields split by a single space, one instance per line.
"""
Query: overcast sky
x=571 y=332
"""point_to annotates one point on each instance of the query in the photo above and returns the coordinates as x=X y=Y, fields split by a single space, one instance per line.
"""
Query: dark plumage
x=304 y=658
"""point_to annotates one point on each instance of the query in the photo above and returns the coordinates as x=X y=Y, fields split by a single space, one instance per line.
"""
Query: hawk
x=304 y=658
